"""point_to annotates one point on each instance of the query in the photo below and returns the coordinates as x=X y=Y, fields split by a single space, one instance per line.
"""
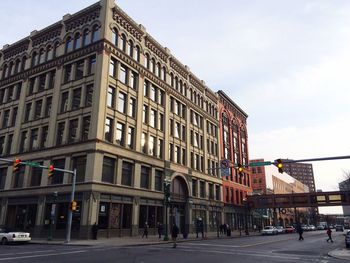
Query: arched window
x=194 y=99
x=49 y=53
x=23 y=64
x=137 y=54
x=4 y=72
x=235 y=143
x=147 y=61
x=152 y=65
x=123 y=43
x=172 y=79
x=190 y=94
x=176 y=83
x=86 y=37
x=34 y=59
x=77 y=41
x=157 y=70
x=55 y=49
x=180 y=86
x=17 y=66
x=95 y=33
x=41 y=56
x=69 y=44
x=115 y=36
x=130 y=50
x=10 y=68
x=163 y=73
x=185 y=90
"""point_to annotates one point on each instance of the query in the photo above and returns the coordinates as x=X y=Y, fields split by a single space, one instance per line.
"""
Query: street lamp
x=52 y=215
x=167 y=184
x=245 y=203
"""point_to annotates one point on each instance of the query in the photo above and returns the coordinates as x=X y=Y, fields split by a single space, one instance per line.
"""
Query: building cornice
x=126 y=22
x=47 y=34
x=154 y=46
x=85 y=16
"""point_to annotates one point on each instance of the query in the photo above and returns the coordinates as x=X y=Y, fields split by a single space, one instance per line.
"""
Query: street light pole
x=70 y=212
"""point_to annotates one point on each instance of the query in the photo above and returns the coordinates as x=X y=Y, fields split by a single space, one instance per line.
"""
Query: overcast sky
x=285 y=63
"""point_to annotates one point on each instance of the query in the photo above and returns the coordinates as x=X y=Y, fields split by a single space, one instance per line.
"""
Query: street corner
x=340 y=253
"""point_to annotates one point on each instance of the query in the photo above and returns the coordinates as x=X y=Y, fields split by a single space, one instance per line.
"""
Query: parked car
x=8 y=235
x=311 y=227
x=347 y=239
x=339 y=228
x=305 y=227
x=280 y=230
x=290 y=229
x=269 y=230
x=321 y=227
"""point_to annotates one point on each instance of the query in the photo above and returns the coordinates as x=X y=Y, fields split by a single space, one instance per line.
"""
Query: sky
x=285 y=63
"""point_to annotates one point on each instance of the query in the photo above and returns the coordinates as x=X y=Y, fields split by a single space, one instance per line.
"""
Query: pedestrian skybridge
x=316 y=199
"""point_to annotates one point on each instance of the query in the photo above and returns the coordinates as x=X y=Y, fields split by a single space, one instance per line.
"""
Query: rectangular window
x=36 y=175
x=92 y=65
x=120 y=133
x=133 y=80
x=184 y=156
x=171 y=152
x=34 y=142
x=3 y=173
x=194 y=187
x=111 y=97
x=211 y=191
x=2 y=144
x=145 y=177
x=145 y=114
x=64 y=102
x=85 y=128
x=122 y=102
x=143 y=143
x=108 y=129
x=151 y=145
x=127 y=171
x=112 y=67
x=38 y=105
x=217 y=192
x=31 y=86
x=202 y=189
x=10 y=94
x=131 y=134
x=60 y=131
x=76 y=98
x=57 y=177
x=42 y=81
x=44 y=132
x=145 y=88
x=79 y=70
x=23 y=144
x=48 y=106
x=123 y=74
x=88 y=95
x=5 y=120
x=108 y=170
x=160 y=149
x=161 y=121
x=27 y=111
x=79 y=163
x=158 y=180
x=52 y=79
x=19 y=177
x=161 y=95
x=73 y=131
x=152 y=121
x=67 y=73
x=152 y=93
x=132 y=107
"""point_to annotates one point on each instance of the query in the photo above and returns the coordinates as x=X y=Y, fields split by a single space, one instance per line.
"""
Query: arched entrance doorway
x=178 y=201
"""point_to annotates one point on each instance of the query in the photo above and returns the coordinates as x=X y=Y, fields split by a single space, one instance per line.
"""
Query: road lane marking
x=44 y=255
x=29 y=252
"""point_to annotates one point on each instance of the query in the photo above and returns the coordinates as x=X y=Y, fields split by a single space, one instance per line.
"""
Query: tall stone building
x=97 y=93
x=234 y=151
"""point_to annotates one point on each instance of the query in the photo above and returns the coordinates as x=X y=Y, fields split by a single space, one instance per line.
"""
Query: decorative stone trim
x=179 y=68
x=84 y=17
x=154 y=46
x=126 y=22
x=16 y=48
x=47 y=34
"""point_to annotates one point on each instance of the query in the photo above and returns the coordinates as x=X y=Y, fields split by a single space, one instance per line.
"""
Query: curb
x=331 y=254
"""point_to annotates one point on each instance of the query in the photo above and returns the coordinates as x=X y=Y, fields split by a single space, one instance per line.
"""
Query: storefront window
x=127 y=214
x=103 y=215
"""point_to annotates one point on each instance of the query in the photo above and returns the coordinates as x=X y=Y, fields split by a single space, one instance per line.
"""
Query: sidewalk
x=340 y=253
x=138 y=241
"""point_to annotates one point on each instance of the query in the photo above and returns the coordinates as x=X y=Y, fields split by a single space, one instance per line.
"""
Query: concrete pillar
x=40 y=216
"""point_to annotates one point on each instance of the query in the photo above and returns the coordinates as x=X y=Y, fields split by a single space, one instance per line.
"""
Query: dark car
x=339 y=228
x=347 y=239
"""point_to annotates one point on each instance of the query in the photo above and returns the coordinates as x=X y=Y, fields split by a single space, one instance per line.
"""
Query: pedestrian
x=94 y=231
x=300 y=232
x=160 y=229
x=221 y=229
x=329 y=233
x=145 y=230
x=174 y=233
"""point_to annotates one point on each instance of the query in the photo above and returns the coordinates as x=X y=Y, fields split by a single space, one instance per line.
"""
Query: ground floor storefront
x=45 y=216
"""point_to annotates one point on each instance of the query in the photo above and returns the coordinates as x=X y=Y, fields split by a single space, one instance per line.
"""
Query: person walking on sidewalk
x=174 y=233
x=160 y=229
x=300 y=232
x=329 y=233
x=145 y=230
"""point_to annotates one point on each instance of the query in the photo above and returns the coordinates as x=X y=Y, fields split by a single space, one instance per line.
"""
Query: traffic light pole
x=70 y=212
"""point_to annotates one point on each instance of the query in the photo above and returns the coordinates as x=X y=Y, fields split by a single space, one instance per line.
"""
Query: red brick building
x=234 y=149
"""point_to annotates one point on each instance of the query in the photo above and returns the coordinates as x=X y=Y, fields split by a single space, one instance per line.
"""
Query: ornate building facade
x=97 y=93
x=234 y=151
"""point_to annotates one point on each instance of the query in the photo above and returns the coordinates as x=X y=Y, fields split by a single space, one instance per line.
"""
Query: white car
x=269 y=230
x=280 y=230
x=10 y=236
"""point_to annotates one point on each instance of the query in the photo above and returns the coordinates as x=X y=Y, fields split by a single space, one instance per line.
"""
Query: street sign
x=259 y=164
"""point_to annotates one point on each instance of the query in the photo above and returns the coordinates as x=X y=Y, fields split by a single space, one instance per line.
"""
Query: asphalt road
x=281 y=248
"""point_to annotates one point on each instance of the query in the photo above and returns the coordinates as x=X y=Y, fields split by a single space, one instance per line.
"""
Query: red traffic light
x=16 y=164
x=51 y=170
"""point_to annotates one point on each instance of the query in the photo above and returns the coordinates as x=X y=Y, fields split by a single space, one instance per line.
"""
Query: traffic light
x=16 y=164
x=51 y=170
x=240 y=169
x=167 y=192
x=73 y=206
x=280 y=166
